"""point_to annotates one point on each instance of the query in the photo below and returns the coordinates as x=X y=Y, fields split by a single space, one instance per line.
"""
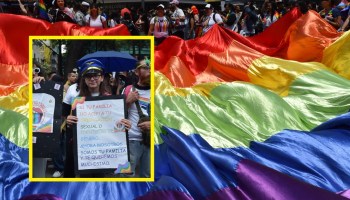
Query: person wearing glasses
x=91 y=84
x=139 y=93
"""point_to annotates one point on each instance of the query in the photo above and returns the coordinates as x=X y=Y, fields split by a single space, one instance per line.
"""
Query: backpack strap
x=215 y=18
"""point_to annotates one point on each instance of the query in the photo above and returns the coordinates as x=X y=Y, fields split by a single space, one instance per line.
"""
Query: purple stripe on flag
x=261 y=182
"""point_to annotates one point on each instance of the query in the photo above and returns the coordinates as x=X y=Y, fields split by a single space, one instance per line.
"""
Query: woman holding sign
x=90 y=85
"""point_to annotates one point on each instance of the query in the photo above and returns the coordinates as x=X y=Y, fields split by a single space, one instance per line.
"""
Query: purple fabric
x=261 y=182
x=41 y=197
x=168 y=195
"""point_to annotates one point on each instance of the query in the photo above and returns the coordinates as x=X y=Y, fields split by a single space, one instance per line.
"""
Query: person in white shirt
x=177 y=19
x=95 y=19
x=159 y=25
x=211 y=19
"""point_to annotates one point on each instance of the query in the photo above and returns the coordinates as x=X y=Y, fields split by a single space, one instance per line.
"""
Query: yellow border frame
x=31 y=178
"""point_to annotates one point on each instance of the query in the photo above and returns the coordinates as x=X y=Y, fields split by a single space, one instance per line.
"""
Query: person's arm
x=151 y=27
x=23 y=9
x=104 y=22
x=191 y=24
x=346 y=23
x=336 y=23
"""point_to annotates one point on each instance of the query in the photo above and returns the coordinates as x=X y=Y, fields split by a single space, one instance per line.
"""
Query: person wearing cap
x=85 y=7
x=159 y=25
x=177 y=19
x=78 y=14
x=211 y=19
x=139 y=150
x=91 y=84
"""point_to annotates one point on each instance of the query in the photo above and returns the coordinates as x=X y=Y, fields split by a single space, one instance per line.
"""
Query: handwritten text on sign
x=102 y=142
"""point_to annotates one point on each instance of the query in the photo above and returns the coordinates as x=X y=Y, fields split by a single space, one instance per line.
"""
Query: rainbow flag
x=42 y=11
x=264 y=117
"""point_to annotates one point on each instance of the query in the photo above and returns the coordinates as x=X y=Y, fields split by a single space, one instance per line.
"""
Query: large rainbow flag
x=264 y=117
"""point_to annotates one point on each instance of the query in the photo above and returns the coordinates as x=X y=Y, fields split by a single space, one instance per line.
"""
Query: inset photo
x=91 y=108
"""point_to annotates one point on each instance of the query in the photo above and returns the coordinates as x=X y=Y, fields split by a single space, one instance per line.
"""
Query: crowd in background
x=188 y=22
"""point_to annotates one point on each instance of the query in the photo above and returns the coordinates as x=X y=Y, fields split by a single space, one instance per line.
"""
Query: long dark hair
x=84 y=89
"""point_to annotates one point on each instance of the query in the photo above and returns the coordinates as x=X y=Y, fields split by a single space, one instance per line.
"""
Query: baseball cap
x=174 y=2
x=84 y=3
x=161 y=5
x=92 y=66
x=208 y=6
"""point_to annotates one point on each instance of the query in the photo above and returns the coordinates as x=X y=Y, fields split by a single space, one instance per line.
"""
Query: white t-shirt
x=71 y=94
x=211 y=21
x=97 y=23
x=176 y=14
x=160 y=27
x=79 y=18
x=135 y=132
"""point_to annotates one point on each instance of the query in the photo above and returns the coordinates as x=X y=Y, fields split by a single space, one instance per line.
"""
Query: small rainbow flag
x=42 y=11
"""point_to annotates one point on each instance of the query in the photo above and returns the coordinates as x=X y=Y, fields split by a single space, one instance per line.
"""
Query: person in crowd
x=127 y=21
x=248 y=20
x=177 y=19
x=78 y=15
x=331 y=13
x=193 y=21
x=142 y=23
x=138 y=95
x=280 y=8
x=94 y=19
x=211 y=18
x=230 y=18
x=112 y=22
x=37 y=75
x=345 y=26
x=117 y=83
x=72 y=78
x=238 y=13
x=91 y=84
x=269 y=15
x=159 y=25
x=85 y=7
x=61 y=12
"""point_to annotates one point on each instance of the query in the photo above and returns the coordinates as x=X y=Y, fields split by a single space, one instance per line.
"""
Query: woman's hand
x=145 y=126
x=38 y=79
x=71 y=120
x=126 y=123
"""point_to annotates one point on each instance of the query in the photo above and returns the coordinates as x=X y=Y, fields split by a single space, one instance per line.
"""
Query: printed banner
x=101 y=139
x=43 y=110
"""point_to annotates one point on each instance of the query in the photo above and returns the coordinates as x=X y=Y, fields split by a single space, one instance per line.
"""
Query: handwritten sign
x=101 y=139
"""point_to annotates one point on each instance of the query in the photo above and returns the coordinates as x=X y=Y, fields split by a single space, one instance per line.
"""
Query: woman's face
x=93 y=10
x=325 y=4
x=160 y=11
x=269 y=7
x=60 y=4
x=93 y=81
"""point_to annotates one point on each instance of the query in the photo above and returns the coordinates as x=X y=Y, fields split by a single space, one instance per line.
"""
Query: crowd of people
x=188 y=22
x=92 y=80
